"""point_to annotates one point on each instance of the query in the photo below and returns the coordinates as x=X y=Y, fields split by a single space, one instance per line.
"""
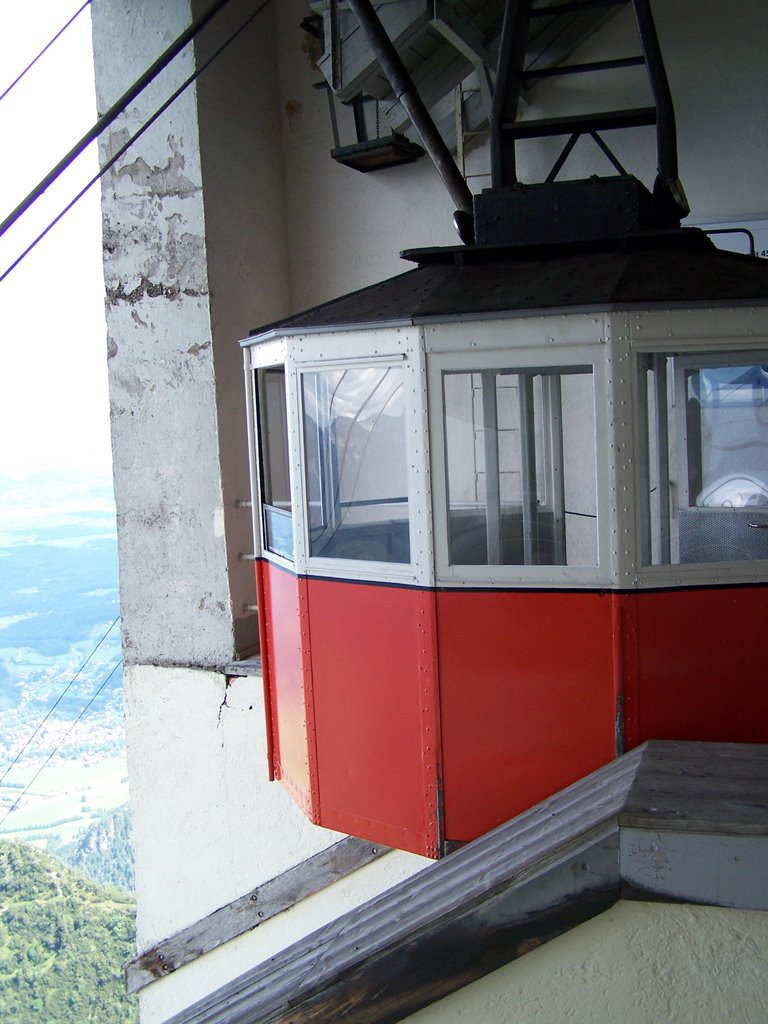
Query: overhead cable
x=57 y=748
x=59 y=699
x=115 y=110
x=147 y=124
x=47 y=46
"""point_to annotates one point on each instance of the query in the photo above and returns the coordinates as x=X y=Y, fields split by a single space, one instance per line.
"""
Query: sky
x=53 y=387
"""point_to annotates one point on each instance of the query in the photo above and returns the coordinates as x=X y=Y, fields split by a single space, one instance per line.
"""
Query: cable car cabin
x=512 y=519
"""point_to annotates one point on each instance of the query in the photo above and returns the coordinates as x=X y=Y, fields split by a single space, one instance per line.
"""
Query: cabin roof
x=476 y=282
x=535 y=877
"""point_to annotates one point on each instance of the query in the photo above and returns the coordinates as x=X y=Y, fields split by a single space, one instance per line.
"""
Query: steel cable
x=56 y=749
x=147 y=124
x=114 y=111
x=58 y=700
x=47 y=47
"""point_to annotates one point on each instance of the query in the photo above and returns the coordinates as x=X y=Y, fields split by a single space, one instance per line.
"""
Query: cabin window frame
x=664 y=439
x=276 y=520
x=327 y=468
x=697 y=330
x=381 y=347
x=493 y=348
x=261 y=357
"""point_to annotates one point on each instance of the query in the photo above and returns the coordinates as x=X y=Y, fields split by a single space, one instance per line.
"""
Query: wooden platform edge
x=521 y=885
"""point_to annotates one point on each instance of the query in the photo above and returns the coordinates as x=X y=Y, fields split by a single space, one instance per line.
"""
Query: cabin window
x=520 y=454
x=705 y=457
x=356 y=465
x=275 y=466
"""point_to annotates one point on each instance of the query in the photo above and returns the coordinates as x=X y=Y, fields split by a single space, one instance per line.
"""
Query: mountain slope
x=63 y=940
x=102 y=850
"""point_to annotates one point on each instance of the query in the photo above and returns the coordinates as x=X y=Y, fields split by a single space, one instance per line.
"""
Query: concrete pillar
x=186 y=276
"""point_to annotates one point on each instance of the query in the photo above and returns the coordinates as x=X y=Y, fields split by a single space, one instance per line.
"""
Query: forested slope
x=63 y=940
x=102 y=850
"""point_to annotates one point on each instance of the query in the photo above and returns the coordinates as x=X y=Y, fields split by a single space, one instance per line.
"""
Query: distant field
x=58 y=596
x=67 y=791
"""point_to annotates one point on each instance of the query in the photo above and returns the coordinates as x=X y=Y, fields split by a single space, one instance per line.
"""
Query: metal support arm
x=406 y=92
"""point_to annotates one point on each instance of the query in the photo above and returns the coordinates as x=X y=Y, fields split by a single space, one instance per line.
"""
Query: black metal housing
x=566 y=211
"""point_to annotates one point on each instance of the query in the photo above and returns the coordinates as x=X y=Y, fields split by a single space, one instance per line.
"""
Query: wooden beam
x=251 y=910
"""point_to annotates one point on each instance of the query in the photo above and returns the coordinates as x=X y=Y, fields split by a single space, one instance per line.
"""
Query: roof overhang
x=656 y=269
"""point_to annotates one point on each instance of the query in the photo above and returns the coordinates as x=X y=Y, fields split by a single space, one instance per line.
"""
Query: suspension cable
x=115 y=110
x=47 y=47
x=57 y=748
x=147 y=124
x=59 y=699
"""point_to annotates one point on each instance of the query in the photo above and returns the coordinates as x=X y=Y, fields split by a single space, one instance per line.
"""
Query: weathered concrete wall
x=636 y=963
x=197 y=778
x=186 y=277
x=174 y=592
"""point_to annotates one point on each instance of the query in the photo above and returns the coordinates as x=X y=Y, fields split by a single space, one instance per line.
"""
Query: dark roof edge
x=682 y=238
x=530 y=880
x=659 y=271
x=277 y=326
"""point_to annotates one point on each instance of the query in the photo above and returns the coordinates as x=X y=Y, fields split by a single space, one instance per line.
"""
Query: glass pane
x=520 y=452
x=275 y=470
x=579 y=460
x=278 y=530
x=728 y=416
x=706 y=447
x=356 y=465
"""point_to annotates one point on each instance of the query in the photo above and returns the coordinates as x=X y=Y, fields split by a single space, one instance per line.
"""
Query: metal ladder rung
x=577 y=69
x=581 y=123
x=573 y=7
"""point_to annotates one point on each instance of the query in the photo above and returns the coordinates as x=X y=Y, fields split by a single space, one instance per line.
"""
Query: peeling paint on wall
x=153 y=230
x=162 y=392
x=196 y=349
x=161 y=181
x=144 y=288
x=148 y=289
x=155 y=256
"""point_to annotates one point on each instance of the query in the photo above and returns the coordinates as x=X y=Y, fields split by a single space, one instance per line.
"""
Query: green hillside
x=103 y=850
x=63 y=940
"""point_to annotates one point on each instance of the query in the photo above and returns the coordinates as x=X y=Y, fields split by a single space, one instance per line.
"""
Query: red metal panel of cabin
x=701 y=664
x=290 y=683
x=528 y=696
x=373 y=665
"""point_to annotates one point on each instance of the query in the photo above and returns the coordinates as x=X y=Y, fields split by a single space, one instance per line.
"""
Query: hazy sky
x=53 y=401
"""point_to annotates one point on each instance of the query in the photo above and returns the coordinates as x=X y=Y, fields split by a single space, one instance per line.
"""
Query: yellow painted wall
x=638 y=963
